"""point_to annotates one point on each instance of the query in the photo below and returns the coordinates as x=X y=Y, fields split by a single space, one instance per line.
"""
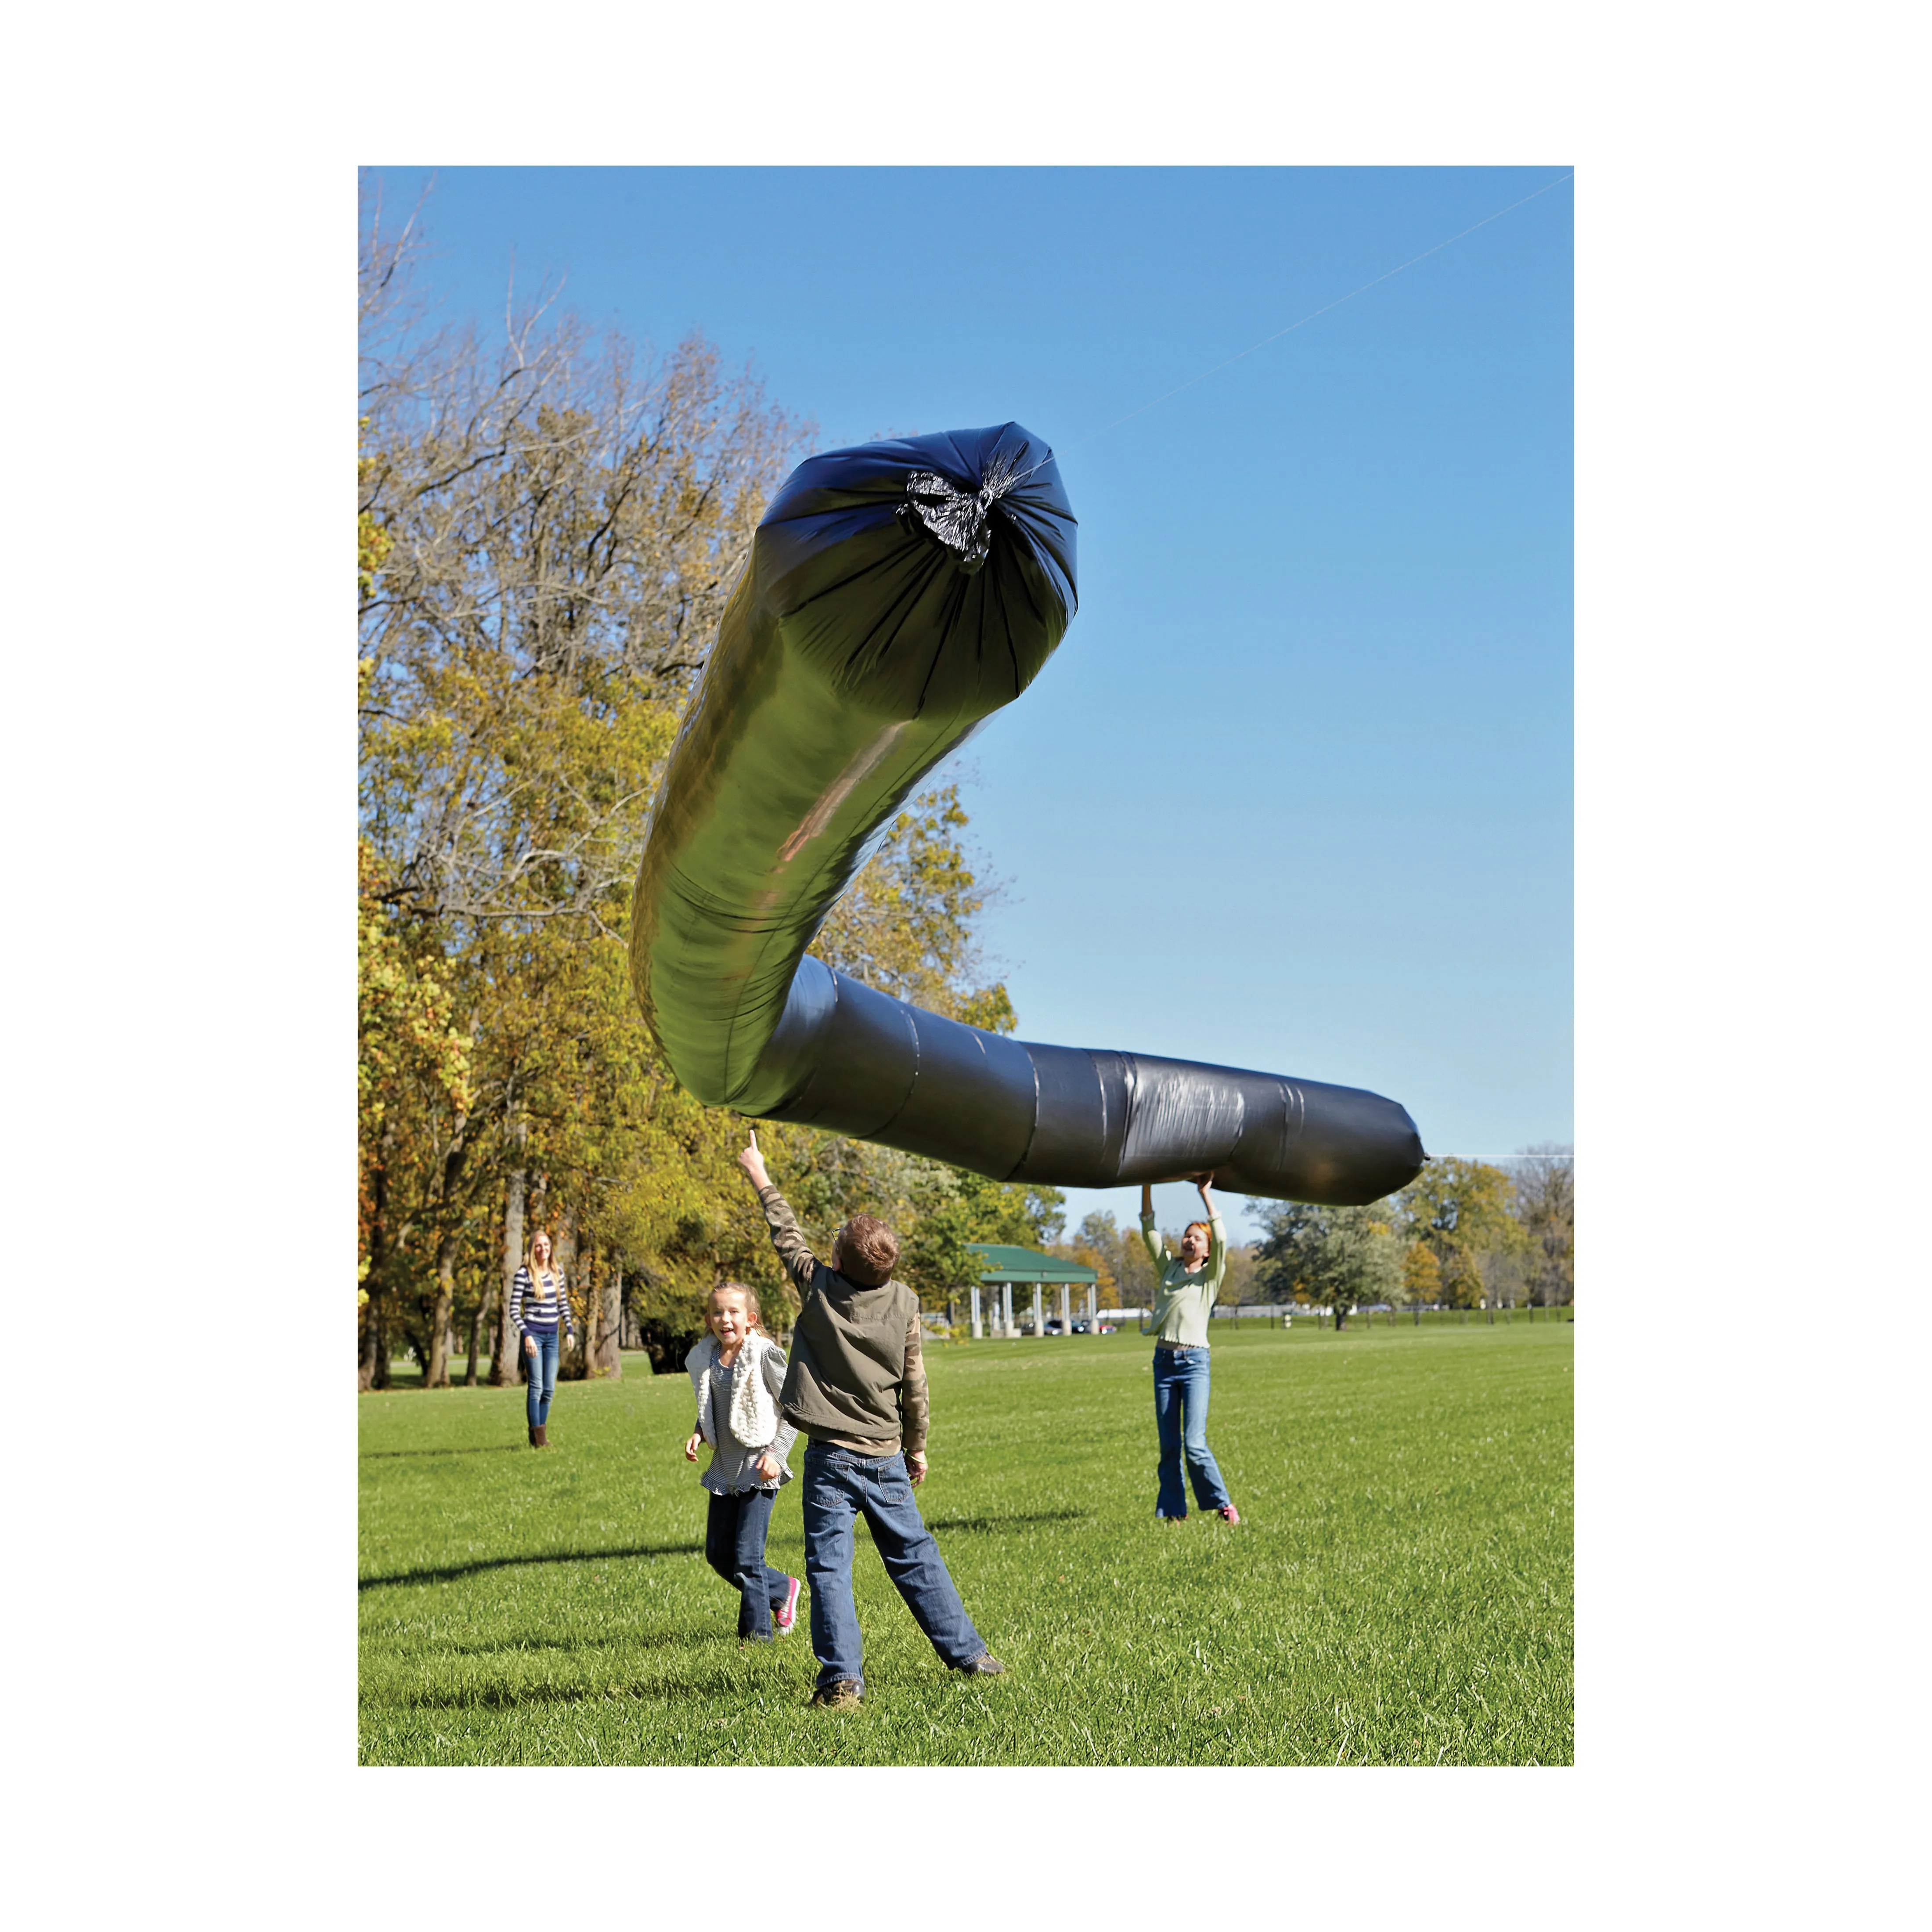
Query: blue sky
x=1295 y=792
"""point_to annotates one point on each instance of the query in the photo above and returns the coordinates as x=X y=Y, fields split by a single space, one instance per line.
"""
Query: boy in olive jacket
x=855 y=1387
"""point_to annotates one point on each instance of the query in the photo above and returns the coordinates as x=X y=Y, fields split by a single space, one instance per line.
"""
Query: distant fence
x=1431 y=1316
x=1422 y=1316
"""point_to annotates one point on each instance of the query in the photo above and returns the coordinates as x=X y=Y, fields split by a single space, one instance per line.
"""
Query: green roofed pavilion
x=1002 y=1263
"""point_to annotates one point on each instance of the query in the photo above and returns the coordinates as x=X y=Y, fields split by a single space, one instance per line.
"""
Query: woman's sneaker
x=1228 y=1513
x=787 y=1618
x=985 y=1665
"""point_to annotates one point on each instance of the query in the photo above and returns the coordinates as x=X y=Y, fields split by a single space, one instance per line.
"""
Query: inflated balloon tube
x=897 y=595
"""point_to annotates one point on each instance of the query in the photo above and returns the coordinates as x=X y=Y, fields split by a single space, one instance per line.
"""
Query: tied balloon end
x=960 y=519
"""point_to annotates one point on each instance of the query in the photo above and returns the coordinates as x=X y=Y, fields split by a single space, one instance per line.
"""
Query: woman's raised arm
x=1149 y=1233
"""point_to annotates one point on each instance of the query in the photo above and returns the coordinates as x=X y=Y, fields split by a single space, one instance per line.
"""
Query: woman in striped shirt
x=537 y=1300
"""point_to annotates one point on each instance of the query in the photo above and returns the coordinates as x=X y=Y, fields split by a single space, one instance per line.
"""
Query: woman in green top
x=1188 y=1288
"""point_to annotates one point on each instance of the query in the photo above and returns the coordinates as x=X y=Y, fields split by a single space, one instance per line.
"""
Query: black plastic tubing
x=897 y=595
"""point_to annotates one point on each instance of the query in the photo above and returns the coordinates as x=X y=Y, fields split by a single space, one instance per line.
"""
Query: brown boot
x=535 y=1435
x=542 y=1438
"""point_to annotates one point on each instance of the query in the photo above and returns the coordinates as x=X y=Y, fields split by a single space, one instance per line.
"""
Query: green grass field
x=1399 y=1592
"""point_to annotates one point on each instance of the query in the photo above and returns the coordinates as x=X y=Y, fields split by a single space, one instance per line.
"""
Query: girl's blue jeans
x=734 y=1546
x=541 y=1369
x=1181 y=1419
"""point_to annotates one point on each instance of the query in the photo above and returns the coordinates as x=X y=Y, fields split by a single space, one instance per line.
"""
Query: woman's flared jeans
x=1181 y=1419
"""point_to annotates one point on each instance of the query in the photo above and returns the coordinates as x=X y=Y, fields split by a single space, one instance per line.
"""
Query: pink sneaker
x=1230 y=1514
x=786 y=1618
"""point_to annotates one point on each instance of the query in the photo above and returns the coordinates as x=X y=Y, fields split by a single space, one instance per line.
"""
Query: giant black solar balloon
x=897 y=595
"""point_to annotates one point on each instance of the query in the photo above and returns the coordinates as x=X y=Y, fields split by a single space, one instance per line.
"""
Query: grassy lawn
x=1399 y=1592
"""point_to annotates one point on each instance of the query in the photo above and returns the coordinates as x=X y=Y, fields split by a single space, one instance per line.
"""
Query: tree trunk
x=582 y=1280
x=475 y=1333
x=503 y=1370
x=372 y=1368
x=610 y=1324
x=564 y=1253
x=436 y=1367
x=436 y=1371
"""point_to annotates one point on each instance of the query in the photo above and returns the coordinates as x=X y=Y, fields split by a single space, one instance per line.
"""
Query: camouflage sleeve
x=797 y=1259
x=914 y=1408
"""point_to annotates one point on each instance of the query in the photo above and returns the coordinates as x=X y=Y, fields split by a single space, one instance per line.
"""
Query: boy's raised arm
x=794 y=1256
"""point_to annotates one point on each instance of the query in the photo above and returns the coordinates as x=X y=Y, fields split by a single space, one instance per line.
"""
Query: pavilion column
x=1006 y=1308
x=1065 y=1309
x=976 y=1311
x=1038 y=1326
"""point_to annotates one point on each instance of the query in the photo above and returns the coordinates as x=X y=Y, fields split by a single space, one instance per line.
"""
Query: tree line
x=547 y=527
x=1464 y=1234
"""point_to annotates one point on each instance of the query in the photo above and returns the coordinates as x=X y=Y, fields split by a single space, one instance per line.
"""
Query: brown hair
x=868 y=1250
x=749 y=1296
x=1205 y=1227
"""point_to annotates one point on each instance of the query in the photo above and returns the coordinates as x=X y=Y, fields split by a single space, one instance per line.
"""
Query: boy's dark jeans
x=734 y=1546
x=839 y=1486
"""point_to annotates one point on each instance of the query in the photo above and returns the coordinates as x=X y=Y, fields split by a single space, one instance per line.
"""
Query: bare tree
x=549 y=525
x=1545 y=1180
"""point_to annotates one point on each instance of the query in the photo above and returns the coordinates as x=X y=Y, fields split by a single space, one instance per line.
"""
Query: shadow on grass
x=714 y=1676
x=399 y=1661
x=954 y=1523
x=449 y=1573
x=480 y=1449
x=686 y=1690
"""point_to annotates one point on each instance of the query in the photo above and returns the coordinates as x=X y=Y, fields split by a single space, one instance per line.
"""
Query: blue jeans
x=541 y=1369
x=838 y=1486
x=734 y=1546
x=1180 y=1417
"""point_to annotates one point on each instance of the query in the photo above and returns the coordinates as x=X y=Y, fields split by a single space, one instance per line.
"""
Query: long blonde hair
x=536 y=1274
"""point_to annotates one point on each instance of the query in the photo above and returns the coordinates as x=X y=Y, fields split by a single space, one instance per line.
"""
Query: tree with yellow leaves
x=548 y=530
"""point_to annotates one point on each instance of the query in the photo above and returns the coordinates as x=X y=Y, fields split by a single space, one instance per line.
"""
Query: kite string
x=1311 y=316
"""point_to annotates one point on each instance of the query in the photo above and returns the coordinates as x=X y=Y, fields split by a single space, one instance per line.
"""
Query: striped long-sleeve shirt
x=535 y=1310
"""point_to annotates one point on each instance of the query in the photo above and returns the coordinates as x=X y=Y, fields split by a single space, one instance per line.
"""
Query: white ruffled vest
x=754 y=1417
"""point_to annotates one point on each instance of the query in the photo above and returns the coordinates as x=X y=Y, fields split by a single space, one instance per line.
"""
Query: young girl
x=736 y=1373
